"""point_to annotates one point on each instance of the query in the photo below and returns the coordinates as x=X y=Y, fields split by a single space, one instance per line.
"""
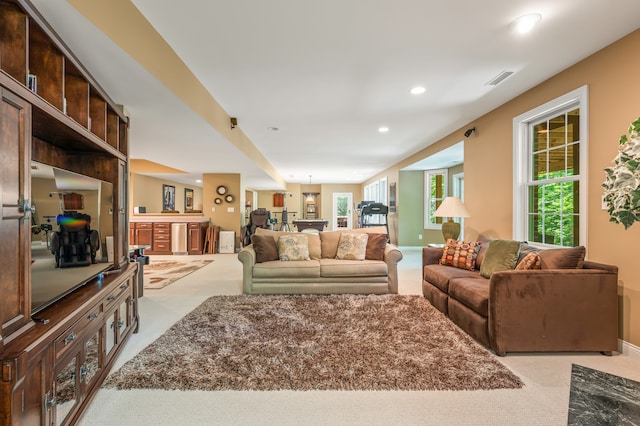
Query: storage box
x=227 y=242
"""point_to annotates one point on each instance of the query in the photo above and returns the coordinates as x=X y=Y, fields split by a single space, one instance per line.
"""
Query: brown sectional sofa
x=322 y=273
x=546 y=310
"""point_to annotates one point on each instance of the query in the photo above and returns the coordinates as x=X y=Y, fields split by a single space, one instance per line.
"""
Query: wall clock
x=221 y=190
x=229 y=198
x=218 y=201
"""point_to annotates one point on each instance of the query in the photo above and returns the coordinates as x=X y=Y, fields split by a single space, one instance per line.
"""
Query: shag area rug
x=310 y=342
x=160 y=273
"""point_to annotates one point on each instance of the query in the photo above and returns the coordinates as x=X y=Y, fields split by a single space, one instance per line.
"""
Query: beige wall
x=147 y=191
x=611 y=76
x=228 y=216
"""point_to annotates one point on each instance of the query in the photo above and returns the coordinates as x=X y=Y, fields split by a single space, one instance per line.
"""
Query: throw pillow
x=529 y=262
x=293 y=247
x=460 y=254
x=314 y=240
x=376 y=243
x=352 y=246
x=502 y=255
x=265 y=248
x=563 y=258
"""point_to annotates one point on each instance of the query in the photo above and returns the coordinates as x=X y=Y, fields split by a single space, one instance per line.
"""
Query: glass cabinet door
x=92 y=364
x=66 y=391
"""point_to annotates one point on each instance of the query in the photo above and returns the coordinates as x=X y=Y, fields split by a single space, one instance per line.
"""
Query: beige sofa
x=563 y=306
x=323 y=273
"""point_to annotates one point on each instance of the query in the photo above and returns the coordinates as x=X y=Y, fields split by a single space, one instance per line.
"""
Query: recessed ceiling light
x=273 y=129
x=525 y=23
x=198 y=181
x=383 y=129
x=418 y=90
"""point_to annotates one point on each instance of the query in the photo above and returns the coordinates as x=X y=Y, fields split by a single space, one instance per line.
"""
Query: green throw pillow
x=502 y=255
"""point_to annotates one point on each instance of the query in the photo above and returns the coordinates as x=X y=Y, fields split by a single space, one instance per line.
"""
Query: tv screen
x=61 y=196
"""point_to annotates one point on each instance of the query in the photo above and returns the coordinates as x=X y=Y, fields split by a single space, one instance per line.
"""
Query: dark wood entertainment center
x=53 y=112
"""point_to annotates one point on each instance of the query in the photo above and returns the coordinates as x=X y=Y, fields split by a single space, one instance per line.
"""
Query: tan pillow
x=460 y=254
x=563 y=258
x=293 y=247
x=376 y=243
x=329 y=244
x=529 y=262
x=265 y=248
x=352 y=246
x=314 y=240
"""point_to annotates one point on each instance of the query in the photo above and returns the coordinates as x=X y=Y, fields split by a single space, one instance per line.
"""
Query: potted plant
x=622 y=182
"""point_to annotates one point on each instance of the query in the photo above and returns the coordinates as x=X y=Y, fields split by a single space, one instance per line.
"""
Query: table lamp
x=451 y=207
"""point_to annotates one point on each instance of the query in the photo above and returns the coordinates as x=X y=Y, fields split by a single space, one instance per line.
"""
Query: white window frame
x=377 y=192
x=577 y=98
x=427 y=195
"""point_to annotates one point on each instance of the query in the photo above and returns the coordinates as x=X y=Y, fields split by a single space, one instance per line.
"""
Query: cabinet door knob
x=70 y=338
x=48 y=401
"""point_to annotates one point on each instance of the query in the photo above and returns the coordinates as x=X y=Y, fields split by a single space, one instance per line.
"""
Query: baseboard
x=628 y=349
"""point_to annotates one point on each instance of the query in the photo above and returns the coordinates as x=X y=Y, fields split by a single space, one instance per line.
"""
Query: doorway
x=342 y=209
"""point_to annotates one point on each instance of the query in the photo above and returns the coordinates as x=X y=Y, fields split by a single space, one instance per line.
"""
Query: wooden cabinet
x=53 y=112
x=15 y=145
x=142 y=233
x=195 y=237
x=161 y=238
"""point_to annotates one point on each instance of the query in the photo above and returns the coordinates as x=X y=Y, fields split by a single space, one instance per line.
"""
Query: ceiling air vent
x=498 y=79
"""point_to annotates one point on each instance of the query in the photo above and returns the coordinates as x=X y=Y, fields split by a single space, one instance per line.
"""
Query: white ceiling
x=329 y=73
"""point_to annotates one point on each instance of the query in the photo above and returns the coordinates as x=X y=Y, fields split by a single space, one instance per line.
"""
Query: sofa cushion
x=279 y=269
x=293 y=247
x=352 y=246
x=314 y=240
x=530 y=262
x=352 y=268
x=460 y=254
x=562 y=258
x=329 y=239
x=375 y=247
x=484 y=245
x=502 y=255
x=471 y=292
x=525 y=249
x=440 y=275
x=265 y=248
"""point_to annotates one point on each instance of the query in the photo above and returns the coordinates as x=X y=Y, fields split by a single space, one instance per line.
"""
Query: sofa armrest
x=248 y=258
x=553 y=310
x=431 y=255
x=392 y=255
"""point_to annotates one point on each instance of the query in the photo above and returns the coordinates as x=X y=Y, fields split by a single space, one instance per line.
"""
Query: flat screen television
x=53 y=192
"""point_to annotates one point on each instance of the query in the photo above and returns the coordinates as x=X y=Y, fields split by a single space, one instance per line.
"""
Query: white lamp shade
x=452 y=207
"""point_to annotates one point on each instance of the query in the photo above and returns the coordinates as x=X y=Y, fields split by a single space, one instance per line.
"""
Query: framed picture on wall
x=188 y=199
x=168 y=197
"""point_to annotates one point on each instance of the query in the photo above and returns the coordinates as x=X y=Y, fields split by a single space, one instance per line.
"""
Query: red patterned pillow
x=460 y=254
x=529 y=262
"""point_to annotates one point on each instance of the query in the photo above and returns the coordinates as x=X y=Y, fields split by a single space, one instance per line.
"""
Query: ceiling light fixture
x=525 y=23
x=272 y=129
x=383 y=129
x=418 y=90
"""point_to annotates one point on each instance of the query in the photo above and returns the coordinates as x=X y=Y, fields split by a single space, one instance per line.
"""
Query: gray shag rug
x=344 y=342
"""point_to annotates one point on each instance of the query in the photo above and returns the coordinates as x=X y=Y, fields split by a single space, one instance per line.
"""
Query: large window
x=549 y=177
x=376 y=191
x=435 y=185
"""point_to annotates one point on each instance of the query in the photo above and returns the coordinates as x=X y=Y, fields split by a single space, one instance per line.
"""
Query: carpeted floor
x=160 y=273
x=347 y=342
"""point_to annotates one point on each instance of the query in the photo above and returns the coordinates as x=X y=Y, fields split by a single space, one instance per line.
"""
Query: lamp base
x=450 y=229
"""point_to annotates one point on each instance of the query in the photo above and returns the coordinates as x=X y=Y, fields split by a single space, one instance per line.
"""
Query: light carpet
x=160 y=273
x=309 y=342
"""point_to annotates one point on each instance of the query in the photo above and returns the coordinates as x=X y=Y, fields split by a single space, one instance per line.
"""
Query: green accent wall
x=410 y=208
